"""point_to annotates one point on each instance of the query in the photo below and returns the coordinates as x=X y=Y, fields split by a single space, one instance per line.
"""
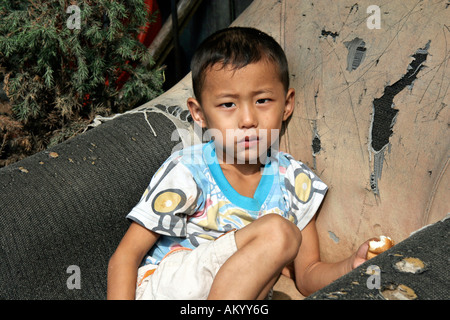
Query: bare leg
x=264 y=247
x=265 y=291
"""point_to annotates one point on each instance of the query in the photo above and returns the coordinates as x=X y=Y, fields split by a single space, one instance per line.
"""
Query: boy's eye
x=227 y=105
x=261 y=101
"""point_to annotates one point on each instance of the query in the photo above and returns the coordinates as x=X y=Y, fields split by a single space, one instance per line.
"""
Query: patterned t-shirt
x=189 y=200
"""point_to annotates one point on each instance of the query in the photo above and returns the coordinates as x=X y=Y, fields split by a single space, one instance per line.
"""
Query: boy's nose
x=247 y=117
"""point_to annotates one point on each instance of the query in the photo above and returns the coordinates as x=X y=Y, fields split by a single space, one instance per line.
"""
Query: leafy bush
x=58 y=78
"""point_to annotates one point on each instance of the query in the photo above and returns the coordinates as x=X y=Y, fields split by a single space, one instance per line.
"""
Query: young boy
x=223 y=219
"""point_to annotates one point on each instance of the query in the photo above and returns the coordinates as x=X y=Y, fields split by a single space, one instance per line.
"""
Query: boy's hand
x=374 y=246
x=359 y=256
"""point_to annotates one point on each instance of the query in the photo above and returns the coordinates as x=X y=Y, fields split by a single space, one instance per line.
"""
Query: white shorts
x=185 y=274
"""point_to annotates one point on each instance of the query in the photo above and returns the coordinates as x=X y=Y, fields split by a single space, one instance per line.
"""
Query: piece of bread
x=378 y=246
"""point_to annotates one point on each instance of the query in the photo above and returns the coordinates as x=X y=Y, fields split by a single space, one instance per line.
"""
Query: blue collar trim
x=261 y=193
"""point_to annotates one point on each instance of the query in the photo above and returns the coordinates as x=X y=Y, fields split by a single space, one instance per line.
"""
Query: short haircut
x=237 y=47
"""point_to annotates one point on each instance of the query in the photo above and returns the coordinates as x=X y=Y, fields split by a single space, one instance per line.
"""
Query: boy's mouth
x=248 y=141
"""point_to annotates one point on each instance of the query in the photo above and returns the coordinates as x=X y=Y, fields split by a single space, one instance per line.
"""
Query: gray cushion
x=69 y=210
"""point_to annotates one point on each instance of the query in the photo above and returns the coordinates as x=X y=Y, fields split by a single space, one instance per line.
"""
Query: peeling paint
x=316 y=145
x=356 y=53
x=333 y=236
x=374 y=184
x=326 y=33
x=384 y=115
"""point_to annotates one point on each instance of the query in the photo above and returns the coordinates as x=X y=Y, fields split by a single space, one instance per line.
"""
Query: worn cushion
x=62 y=211
x=414 y=269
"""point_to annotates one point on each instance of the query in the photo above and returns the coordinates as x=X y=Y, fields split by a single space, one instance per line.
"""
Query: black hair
x=238 y=47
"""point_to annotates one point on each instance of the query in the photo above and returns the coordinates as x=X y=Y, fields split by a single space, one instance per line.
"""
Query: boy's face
x=243 y=109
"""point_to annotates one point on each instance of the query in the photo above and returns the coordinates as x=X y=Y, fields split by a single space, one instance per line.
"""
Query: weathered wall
x=372 y=110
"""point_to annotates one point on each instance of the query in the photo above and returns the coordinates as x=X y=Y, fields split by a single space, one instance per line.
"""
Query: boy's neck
x=244 y=178
x=245 y=169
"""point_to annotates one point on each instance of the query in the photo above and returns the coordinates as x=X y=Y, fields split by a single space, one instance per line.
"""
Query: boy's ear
x=196 y=111
x=289 y=104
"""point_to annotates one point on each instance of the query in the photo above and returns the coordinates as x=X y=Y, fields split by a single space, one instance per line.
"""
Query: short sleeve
x=170 y=197
x=305 y=192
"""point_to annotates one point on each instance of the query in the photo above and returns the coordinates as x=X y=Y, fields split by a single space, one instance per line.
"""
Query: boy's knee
x=285 y=236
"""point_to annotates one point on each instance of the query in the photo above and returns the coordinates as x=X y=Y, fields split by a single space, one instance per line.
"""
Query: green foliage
x=56 y=77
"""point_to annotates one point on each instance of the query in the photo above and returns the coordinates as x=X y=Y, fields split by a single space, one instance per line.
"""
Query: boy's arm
x=311 y=274
x=124 y=263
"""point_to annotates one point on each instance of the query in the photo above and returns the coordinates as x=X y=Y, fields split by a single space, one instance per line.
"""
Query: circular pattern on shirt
x=302 y=187
x=168 y=201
